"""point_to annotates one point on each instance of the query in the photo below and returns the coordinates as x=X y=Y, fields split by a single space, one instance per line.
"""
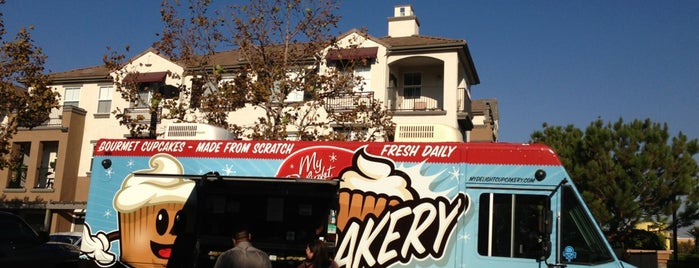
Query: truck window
x=510 y=225
x=581 y=243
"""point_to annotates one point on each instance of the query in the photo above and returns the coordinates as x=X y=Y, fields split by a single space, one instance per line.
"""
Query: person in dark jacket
x=243 y=254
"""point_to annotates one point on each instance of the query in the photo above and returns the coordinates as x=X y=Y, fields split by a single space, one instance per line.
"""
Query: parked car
x=73 y=238
x=22 y=246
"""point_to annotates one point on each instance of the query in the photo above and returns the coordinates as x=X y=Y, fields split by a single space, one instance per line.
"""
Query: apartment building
x=486 y=120
x=43 y=186
x=419 y=78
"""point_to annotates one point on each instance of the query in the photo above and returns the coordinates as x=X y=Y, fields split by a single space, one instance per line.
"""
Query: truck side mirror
x=547 y=229
x=548 y=223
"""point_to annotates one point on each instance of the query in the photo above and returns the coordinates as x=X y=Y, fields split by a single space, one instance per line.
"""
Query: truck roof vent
x=196 y=131
x=427 y=132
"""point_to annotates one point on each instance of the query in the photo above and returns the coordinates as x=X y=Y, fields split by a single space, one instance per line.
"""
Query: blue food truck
x=176 y=202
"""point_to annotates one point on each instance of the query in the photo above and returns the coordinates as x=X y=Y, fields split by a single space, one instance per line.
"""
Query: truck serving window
x=283 y=215
x=580 y=241
x=511 y=225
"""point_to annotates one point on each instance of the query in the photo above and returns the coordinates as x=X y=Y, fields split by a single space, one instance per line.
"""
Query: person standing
x=317 y=256
x=243 y=254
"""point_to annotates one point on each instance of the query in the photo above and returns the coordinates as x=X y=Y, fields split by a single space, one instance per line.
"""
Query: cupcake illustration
x=369 y=186
x=147 y=207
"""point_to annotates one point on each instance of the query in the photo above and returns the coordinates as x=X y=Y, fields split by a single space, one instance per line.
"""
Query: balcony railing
x=53 y=122
x=426 y=102
x=416 y=104
x=463 y=100
x=346 y=102
x=141 y=115
x=46 y=179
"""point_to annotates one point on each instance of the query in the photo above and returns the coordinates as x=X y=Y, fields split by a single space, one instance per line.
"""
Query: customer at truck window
x=317 y=256
x=314 y=232
x=243 y=254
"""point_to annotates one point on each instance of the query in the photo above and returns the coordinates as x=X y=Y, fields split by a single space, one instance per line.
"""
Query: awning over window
x=145 y=77
x=352 y=53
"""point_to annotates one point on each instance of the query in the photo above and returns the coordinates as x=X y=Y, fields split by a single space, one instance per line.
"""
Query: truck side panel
x=399 y=203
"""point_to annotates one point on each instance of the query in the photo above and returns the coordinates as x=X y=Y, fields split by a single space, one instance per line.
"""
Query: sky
x=559 y=62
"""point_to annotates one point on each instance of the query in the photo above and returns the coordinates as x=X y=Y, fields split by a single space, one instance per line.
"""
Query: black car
x=21 y=246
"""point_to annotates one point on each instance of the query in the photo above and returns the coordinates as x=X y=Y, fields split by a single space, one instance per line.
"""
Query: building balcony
x=430 y=99
x=53 y=122
x=346 y=102
x=46 y=178
x=46 y=161
x=141 y=115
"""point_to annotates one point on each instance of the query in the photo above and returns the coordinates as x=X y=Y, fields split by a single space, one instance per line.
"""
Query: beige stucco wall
x=105 y=126
x=449 y=77
x=379 y=68
x=450 y=83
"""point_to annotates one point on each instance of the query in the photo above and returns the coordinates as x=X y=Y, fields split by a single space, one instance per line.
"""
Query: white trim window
x=71 y=97
x=293 y=95
x=365 y=73
x=144 y=96
x=104 y=100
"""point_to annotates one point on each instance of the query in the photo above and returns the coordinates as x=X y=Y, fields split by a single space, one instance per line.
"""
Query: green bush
x=642 y=239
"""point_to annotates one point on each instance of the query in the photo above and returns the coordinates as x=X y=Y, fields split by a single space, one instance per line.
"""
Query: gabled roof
x=232 y=59
x=480 y=106
x=98 y=73
x=150 y=49
x=227 y=58
x=94 y=74
x=364 y=34
x=408 y=41
x=419 y=41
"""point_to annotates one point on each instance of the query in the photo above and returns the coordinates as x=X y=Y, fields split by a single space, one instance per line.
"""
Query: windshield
x=581 y=243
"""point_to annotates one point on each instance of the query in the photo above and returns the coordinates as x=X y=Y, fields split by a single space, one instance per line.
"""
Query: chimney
x=404 y=22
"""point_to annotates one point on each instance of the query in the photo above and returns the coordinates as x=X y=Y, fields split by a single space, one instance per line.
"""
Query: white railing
x=141 y=115
x=348 y=101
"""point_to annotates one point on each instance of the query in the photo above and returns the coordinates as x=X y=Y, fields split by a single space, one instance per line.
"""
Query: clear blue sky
x=561 y=62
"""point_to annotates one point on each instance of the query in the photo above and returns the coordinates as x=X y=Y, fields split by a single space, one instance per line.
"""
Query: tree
x=694 y=232
x=629 y=172
x=25 y=98
x=643 y=239
x=279 y=48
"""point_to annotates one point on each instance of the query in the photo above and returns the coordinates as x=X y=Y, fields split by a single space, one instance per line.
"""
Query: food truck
x=178 y=200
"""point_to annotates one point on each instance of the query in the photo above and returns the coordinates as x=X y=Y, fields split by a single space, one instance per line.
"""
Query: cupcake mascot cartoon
x=388 y=215
x=147 y=208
